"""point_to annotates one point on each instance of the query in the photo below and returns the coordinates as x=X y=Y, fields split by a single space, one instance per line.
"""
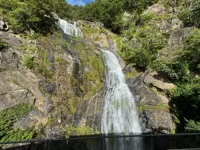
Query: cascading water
x=69 y=28
x=119 y=113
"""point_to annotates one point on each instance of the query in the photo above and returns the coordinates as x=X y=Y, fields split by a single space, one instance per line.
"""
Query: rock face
x=156 y=8
x=17 y=83
x=61 y=77
x=161 y=85
x=153 y=106
x=32 y=119
x=158 y=121
x=177 y=37
x=97 y=34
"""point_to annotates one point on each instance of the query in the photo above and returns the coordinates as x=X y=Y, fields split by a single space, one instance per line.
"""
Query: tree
x=32 y=14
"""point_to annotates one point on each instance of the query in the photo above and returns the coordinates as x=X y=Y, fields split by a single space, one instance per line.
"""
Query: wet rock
x=89 y=112
x=54 y=132
x=54 y=16
x=63 y=92
x=145 y=96
x=129 y=68
x=154 y=114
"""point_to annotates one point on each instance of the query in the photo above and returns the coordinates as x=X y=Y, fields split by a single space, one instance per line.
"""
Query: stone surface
x=145 y=95
x=32 y=119
x=150 y=80
x=64 y=87
x=177 y=37
x=158 y=121
x=54 y=132
x=96 y=33
x=175 y=43
x=90 y=112
x=154 y=113
x=156 y=8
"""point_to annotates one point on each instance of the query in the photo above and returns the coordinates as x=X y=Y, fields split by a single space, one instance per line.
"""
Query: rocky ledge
x=152 y=102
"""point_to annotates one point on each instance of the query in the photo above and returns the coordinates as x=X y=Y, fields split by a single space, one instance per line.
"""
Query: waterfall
x=69 y=28
x=119 y=112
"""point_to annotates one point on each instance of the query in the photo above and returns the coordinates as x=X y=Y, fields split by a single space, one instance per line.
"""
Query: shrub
x=29 y=61
x=144 y=58
x=177 y=71
x=9 y=117
x=3 y=45
x=192 y=126
x=194 y=12
x=27 y=15
x=190 y=13
x=186 y=103
x=83 y=130
x=147 y=44
x=192 y=50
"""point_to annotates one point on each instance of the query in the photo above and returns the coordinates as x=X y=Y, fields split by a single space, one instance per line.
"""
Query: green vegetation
x=192 y=51
x=184 y=71
x=186 y=105
x=192 y=126
x=143 y=41
x=83 y=130
x=29 y=61
x=33 y=15
x=153 y=107
x=3 y=45
x=8 y=118
x=190 y=12
x=110 y=12
x=177 y=71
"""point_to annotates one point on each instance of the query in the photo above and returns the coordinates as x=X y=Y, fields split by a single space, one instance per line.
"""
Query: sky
x=79 y=2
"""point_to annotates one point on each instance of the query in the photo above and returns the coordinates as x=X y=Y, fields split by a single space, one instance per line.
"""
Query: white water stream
x=119 y=113
x=70 y=29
